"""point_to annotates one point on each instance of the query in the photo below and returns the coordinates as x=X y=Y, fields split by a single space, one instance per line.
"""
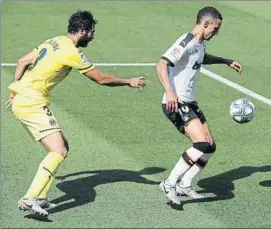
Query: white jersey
x=185 y=57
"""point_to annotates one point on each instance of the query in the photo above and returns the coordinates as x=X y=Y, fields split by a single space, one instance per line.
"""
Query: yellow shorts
x=35 y=115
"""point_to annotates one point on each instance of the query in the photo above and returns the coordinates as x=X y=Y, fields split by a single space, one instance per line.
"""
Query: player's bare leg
x=36 y=197
x=196 y=132
x=184 y=186
x=56 y=142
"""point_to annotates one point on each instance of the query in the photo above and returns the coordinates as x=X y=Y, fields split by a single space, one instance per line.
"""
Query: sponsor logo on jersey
x=183 y=44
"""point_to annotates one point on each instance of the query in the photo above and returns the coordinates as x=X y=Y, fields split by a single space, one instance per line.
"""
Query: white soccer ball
x=242 y=110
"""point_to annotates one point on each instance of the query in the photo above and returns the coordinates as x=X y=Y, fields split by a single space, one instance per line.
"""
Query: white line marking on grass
x=102 y=64
x=203 y=71
x=7 y=64
x=236 y=86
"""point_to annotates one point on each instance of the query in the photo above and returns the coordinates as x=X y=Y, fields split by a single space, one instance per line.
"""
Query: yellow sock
x=44 y=192
x=47 y=168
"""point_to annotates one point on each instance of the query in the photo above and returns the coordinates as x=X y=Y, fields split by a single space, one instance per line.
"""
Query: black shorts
x=186 y=112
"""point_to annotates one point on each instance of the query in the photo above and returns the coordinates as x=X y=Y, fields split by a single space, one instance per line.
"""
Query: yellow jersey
x=55 y=59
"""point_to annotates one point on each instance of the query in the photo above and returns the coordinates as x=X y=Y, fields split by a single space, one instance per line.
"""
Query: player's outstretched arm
x=210 y=59
x=108 y=80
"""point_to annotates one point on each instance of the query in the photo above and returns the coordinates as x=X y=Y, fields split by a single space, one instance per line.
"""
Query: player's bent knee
x=63 y=152
x=212 y=148
x=66 y=144
x=66 y=147
x=204 y=147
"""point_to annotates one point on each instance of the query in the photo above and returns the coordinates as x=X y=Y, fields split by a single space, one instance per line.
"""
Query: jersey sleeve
x=177 y=50
x=79 y=61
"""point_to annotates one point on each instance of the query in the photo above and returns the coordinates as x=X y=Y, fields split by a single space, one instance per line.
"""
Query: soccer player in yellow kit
x=36 y=74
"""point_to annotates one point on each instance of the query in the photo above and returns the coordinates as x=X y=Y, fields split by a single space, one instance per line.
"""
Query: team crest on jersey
x=185 y=109
x=52 y=122
x=84 y=58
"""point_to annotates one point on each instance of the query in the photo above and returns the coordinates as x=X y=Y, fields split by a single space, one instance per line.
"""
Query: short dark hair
x=208 y=11
x=81 y=20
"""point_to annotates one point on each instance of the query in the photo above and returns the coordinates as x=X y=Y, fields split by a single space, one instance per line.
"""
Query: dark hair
x=81 y=20
x=208 y=11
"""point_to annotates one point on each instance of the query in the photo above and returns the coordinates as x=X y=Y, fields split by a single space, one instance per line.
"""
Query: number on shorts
x=49 y=113
x=42 y=53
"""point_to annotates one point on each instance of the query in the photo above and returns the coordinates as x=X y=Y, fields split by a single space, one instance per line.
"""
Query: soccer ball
x=242 y=110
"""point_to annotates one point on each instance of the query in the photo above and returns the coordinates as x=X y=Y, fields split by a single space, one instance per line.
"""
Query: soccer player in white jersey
x=178 y=71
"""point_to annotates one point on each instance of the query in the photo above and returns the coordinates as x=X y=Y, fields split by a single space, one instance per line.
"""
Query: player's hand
x=10 y=100
x=209 y=138
x=172 y=101
x=236 y=66
x=137 y=83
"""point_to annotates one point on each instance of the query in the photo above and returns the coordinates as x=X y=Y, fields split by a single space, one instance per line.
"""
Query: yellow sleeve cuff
x=84 y=70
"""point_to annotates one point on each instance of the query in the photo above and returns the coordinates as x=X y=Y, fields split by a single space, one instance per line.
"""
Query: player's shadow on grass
x=221 y=185
x=39 y=218
x=266 y=183
x=81 y=190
